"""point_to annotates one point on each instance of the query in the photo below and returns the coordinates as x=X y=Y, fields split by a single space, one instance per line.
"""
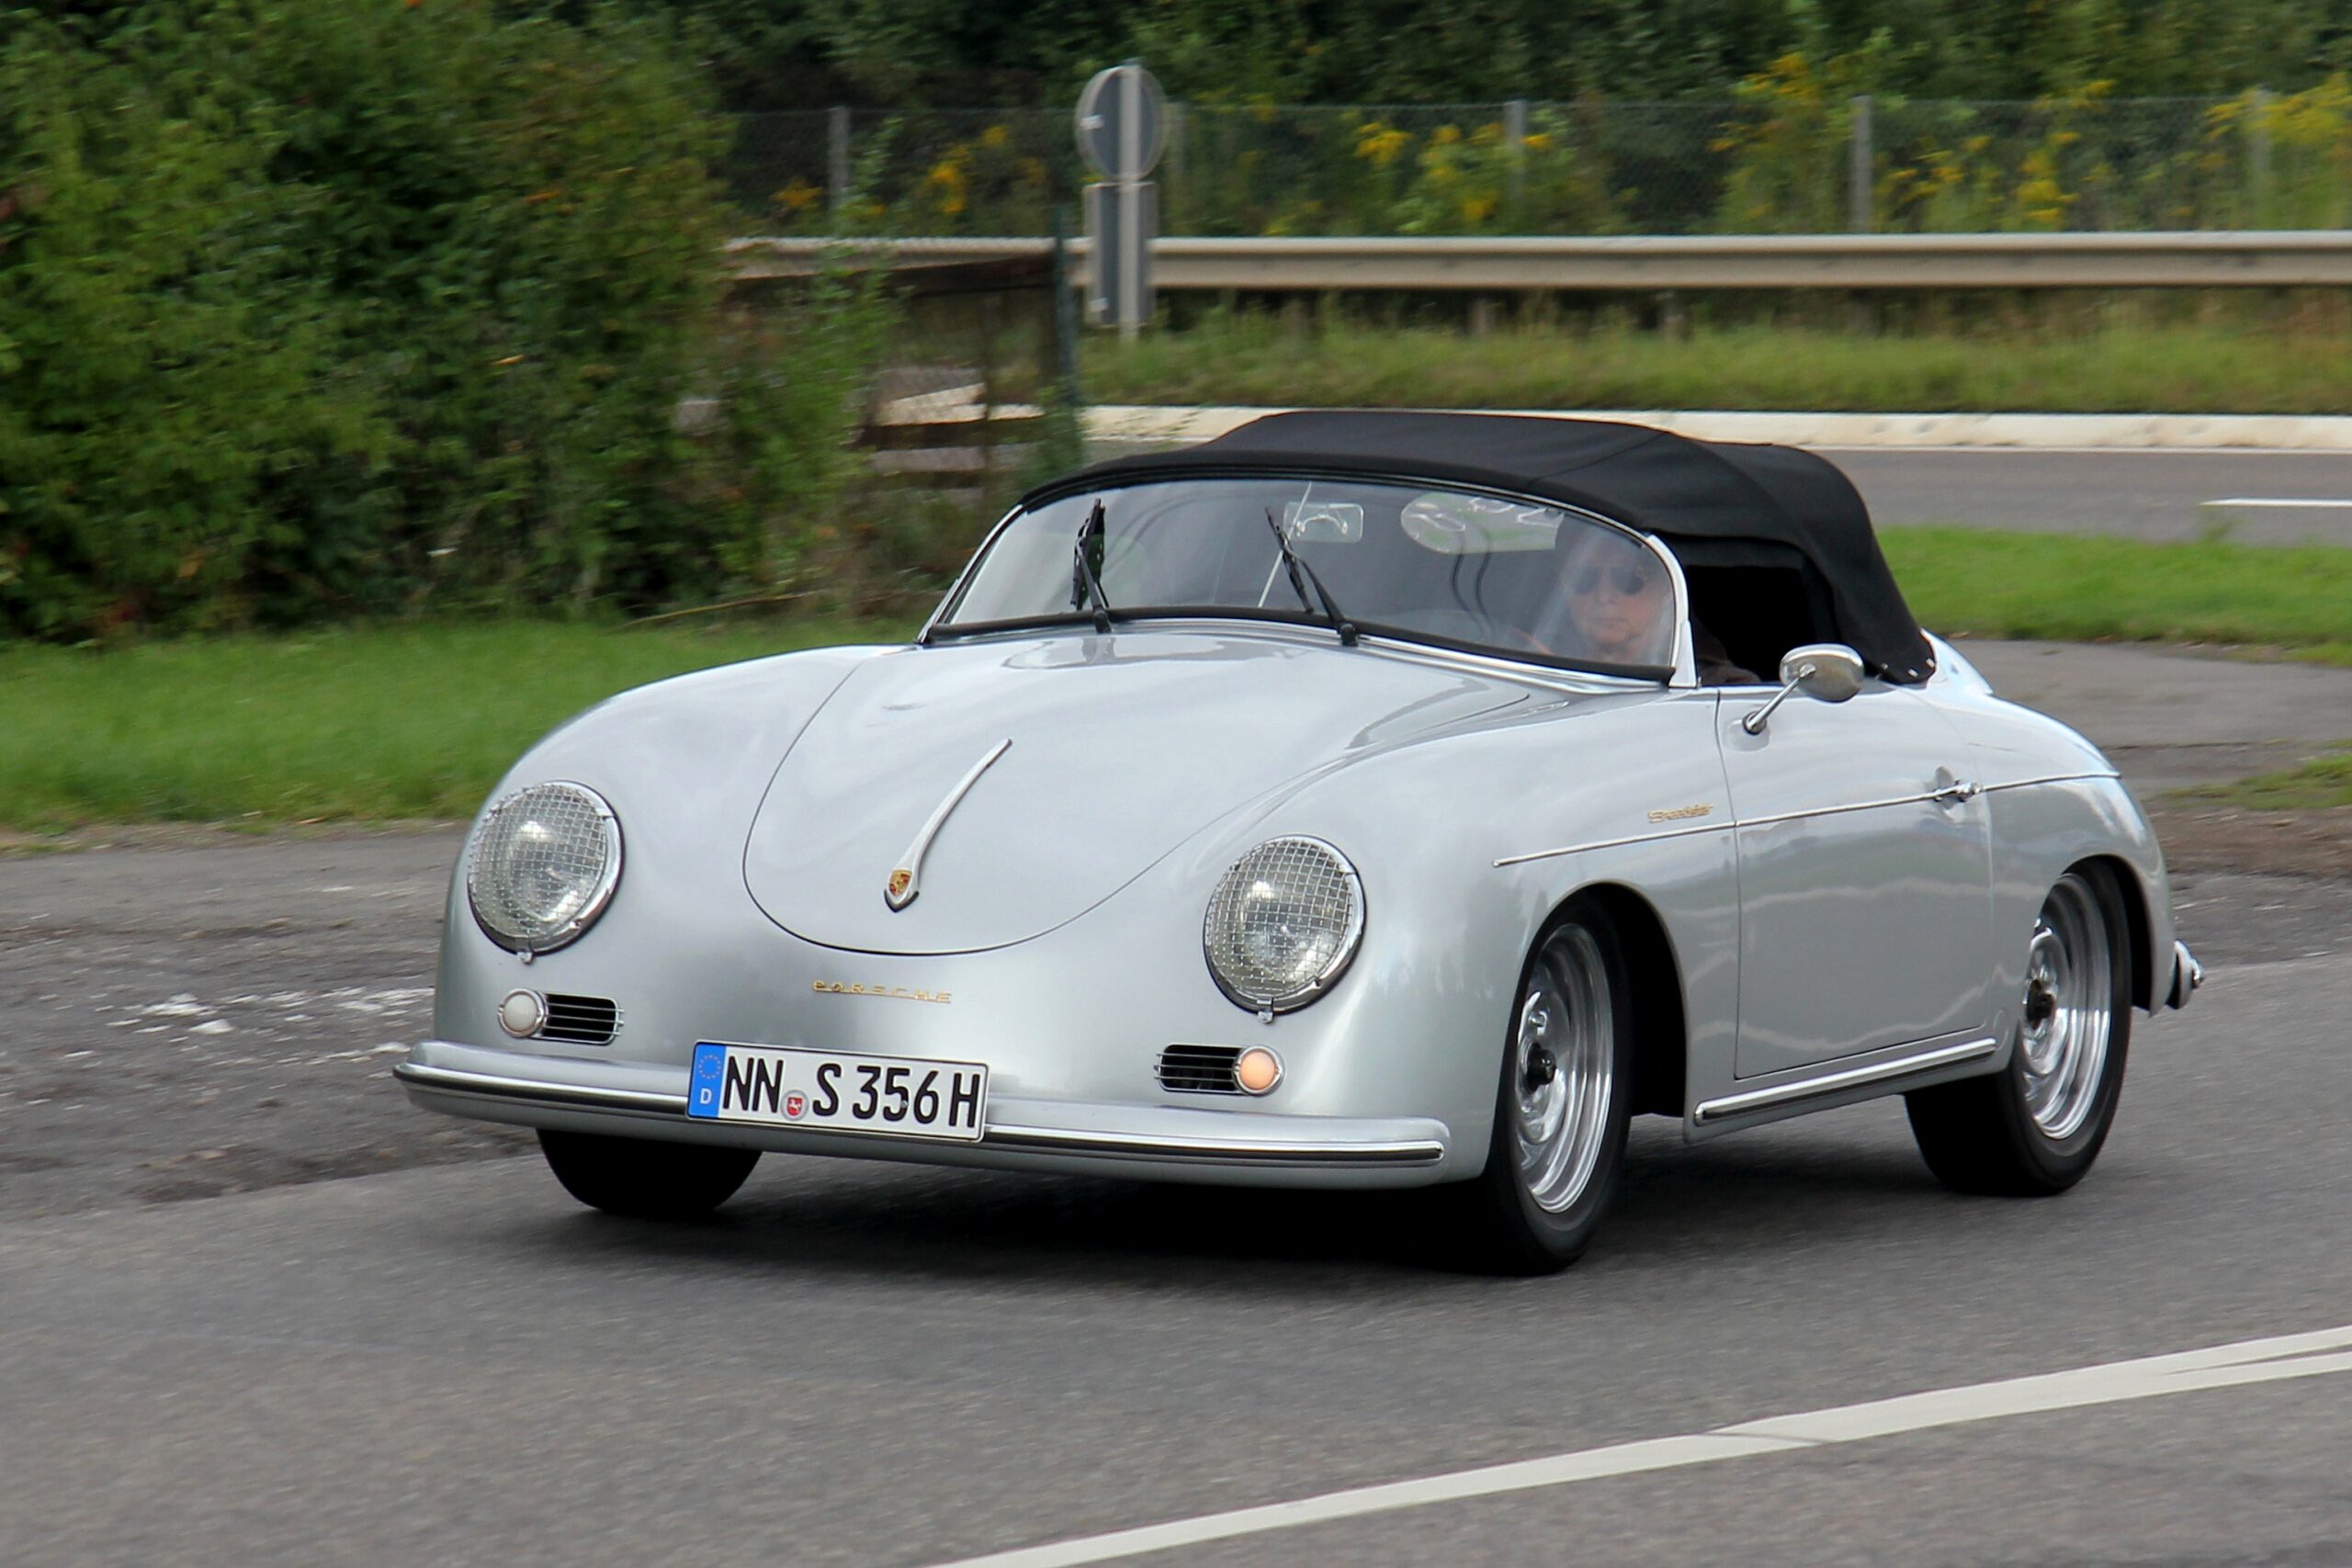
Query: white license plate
x=902 y=1096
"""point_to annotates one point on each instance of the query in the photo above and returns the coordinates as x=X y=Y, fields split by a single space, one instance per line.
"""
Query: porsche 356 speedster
x=1359 y=799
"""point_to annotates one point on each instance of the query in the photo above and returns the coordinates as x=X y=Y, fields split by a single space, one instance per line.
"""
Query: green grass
x=1976 y=583
x=365 y=725
x=384 y=723
x=1247 y=358
x=2318 y=784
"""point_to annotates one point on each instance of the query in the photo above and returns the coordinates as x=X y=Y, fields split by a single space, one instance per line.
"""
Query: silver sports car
x=1360 y=800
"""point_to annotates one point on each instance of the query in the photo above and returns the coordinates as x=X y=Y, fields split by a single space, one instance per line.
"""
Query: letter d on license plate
x=903 y=1096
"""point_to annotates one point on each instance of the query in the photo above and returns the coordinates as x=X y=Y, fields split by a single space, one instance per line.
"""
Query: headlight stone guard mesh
x=1282 y=923
x=544 y=863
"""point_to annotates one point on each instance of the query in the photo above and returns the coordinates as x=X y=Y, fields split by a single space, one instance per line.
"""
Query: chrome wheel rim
x=1564 y=1064
x=2069 y=996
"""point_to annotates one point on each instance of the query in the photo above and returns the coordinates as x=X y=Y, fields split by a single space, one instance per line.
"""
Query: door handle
x=1955 y=791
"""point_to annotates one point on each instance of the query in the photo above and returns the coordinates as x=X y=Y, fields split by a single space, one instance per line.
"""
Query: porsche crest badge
x=900 y=890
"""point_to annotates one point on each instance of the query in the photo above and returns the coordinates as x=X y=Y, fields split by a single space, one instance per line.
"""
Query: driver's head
x=1618 y=601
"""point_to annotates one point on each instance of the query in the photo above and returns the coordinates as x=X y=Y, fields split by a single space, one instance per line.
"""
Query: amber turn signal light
x=1257 y=1070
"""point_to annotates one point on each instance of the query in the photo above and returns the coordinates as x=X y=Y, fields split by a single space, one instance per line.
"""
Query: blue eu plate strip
x=710 y=1066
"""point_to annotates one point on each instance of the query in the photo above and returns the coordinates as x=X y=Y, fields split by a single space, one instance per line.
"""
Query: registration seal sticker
x=796 y=1105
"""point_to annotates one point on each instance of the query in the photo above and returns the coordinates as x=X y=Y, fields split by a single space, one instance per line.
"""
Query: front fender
x=683 y=762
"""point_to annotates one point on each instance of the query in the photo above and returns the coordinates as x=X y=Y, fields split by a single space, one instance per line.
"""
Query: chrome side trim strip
x=1719 y=827
x=2053 y=778
x=1852 y=1077
x=539 y=1089
x=1615 y=843
x=1072 y=1141
x=1950 y=793
x=1959 y=790
x=905 y=878
x=1924 y=797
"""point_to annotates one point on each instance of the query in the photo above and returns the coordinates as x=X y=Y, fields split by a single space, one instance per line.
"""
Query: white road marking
x=2318 y=454
x=2275 y=500
x=2222 y=1365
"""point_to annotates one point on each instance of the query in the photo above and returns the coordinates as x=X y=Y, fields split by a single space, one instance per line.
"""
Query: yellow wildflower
x=945 y=182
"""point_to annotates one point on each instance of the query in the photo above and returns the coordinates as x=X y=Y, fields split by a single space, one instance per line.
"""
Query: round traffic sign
x=1121 y=122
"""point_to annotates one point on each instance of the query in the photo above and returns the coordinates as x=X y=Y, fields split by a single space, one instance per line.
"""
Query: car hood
x=1121 y=747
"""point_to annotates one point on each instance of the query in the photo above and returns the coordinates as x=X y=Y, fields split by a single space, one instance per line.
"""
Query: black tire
x=643 y=1179
x=1980 y=1135
x=1499 y=1226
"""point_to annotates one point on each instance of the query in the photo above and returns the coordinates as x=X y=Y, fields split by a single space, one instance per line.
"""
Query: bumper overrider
x=2188 y=974
x=649 y=1100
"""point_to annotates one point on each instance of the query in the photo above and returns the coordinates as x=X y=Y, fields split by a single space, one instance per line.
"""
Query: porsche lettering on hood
x=1102 y=757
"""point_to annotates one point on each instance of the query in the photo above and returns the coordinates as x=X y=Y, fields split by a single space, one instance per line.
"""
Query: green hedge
x=379 y=306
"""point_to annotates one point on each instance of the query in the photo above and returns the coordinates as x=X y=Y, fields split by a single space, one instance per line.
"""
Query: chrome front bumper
x=2186 y=975
x=1175 y=1141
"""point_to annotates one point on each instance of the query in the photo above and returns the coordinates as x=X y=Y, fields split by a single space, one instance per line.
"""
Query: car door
x=1864 y=876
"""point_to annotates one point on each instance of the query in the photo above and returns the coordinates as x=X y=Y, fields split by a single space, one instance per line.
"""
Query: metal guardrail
x=2189 y=259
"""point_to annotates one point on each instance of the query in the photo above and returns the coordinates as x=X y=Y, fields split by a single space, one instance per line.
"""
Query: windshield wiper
x=1084 y=583
x=1294 y=565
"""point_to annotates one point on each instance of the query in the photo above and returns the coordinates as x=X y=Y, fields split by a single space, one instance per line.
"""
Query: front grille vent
x=1200 y=1069
x=581 y=1021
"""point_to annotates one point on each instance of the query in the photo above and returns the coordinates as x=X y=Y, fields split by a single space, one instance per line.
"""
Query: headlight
x=544 y=862
x=1282 y=923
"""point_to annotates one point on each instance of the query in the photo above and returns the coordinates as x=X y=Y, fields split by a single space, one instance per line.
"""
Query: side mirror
x=1826 y=672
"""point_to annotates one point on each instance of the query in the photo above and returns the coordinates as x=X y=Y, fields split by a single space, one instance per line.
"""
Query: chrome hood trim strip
x=905 y=878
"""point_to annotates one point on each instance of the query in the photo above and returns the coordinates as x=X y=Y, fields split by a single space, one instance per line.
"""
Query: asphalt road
x=2148 y=494
x=865 y=1364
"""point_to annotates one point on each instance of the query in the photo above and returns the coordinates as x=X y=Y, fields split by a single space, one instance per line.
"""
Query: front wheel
x=644 y=1179
x=1561 y=1108
x=2035 y=1129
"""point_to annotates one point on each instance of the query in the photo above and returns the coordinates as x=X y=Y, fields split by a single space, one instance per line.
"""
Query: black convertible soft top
x=1726 y=508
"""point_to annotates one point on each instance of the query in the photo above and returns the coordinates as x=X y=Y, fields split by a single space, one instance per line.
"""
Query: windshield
x=1443 y=566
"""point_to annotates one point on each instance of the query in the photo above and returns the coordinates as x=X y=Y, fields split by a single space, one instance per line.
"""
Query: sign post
x=1122 y=128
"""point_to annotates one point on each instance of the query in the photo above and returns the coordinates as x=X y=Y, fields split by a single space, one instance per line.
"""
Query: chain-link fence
x=932 y=172
x=1784 y=157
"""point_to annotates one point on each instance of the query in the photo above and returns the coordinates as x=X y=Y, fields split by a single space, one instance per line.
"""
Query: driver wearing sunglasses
x=1620 y=609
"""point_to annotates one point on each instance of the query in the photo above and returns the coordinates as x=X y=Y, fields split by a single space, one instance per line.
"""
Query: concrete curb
x=2014 y=431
